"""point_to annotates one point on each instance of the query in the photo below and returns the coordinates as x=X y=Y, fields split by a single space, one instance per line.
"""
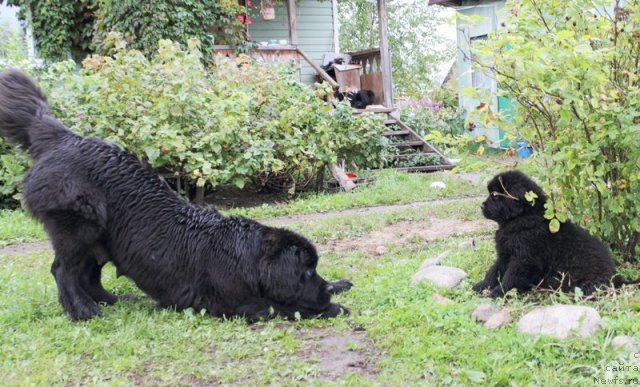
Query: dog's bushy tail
x=24 y=113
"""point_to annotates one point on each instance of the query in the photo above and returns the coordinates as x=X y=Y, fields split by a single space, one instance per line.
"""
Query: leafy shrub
x=238 y=122
x=78 y=27
x=143 y=24
x=425 y=115
x=60 y=27
x=572 y=66
x=12 y=163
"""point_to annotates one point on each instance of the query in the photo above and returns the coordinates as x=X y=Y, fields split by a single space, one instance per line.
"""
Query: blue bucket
x=524 y=150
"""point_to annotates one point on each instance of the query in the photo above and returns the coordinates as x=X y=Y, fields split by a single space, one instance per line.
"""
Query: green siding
x=493 y=13
x=315 y=31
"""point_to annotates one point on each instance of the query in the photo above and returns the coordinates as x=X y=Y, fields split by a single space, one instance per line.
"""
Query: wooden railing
x=277 y=54
x=369 y=59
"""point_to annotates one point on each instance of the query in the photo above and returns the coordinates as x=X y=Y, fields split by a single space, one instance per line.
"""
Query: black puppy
x=529 y=255
x=101 y=204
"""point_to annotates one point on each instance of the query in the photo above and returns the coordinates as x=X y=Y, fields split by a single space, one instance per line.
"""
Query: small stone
x=626 y=342
x=500 y=319
x=440 y=276
x=433 y=261
x=380 y=250
x=483 y=312
x=440 y=300
x=438 y=185
x=560 y=321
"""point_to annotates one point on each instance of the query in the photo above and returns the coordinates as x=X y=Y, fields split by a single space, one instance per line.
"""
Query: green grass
x=390 y=187
x=413 y=340
x=16 y=227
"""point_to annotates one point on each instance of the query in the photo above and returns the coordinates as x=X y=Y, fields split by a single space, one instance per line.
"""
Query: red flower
x=241 y=18
x=247 y=20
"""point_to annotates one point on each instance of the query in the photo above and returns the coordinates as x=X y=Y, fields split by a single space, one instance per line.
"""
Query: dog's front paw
x=334 y=310
x=479 y=287
x=339 y=286
x=496 y=292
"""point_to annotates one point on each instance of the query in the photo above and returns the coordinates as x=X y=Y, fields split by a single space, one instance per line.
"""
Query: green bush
x=74 y=28
x=425 y=115
x=12 y=163
x=572 y=66
x=142 y=24
x=234 y=123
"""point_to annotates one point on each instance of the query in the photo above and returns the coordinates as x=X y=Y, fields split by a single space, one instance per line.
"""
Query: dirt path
x=382 y=235
x=283 y=220
x=23 y=248
x=429 y=230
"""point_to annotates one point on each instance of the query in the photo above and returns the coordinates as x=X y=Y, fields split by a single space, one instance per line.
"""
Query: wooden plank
x=373 y=110
x=385 y=54
x=390 y=133
x=407 y=144
x=318 y=69
x=426 y=168
x=345 y=182
x=373 y=82
x=293 y=28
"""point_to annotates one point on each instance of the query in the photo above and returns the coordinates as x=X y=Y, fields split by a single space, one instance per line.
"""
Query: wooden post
x=385 y=55
x=293 y=29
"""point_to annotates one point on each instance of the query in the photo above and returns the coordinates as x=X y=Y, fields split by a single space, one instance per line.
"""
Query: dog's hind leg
x=67 y=271
x=73 y=239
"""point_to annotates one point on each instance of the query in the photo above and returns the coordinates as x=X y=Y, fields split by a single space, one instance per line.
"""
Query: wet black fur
x=100 y=204
x=529 y=255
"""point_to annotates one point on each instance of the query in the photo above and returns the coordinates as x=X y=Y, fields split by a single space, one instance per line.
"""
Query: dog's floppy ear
x=281 y=267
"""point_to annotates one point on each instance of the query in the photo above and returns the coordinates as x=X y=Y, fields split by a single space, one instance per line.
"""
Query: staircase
x=412 y=152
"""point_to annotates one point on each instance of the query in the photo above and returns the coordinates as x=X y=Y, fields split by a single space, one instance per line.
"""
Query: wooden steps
x=412 y=152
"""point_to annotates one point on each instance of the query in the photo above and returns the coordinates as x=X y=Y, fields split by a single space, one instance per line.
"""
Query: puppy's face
x=288 y=274
x=507 y=199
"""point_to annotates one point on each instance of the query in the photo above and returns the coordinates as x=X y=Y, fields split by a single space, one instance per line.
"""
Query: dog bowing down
x=99 y=204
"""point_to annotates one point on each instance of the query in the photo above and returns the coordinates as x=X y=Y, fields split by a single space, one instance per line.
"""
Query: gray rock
x=433 y=261
x=469 y=244
x=626 y=342
x=492 y=316
x=439 y=299
x=500 y=319
x=484 y=312
x=560 y=321
x=440 y=276
x=380 y=250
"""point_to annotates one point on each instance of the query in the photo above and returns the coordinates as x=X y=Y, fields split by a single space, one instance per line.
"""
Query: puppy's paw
x=339 y=286
x=479 y=287
x=496 y=292
x=334 y=310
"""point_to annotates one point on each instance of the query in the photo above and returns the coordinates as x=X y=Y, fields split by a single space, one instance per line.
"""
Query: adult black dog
x=101 y=204
x=529 y=255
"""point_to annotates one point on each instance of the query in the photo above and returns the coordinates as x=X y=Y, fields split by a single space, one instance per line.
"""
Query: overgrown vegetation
x=64 y=28
x=236 y=123
x=572 y=66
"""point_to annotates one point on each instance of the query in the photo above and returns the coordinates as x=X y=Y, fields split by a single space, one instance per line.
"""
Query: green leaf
x=554 y=225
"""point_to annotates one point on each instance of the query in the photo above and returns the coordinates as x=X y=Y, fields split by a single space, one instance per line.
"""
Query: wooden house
x=493 y=13
x=304 y=31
